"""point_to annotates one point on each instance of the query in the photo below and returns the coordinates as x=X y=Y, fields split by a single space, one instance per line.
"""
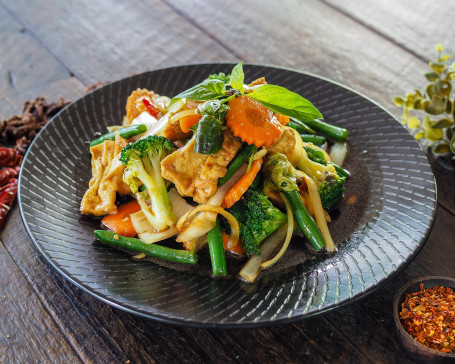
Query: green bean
x=138 y=246
x=333 y=131
x=340 y=170
x=126 y=133
x=300 y=126
x=315 y=139
x=306 y=223
x=216 y=249
x=237 y=162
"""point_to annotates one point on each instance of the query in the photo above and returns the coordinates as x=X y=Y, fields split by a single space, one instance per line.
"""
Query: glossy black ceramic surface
x=391 y=193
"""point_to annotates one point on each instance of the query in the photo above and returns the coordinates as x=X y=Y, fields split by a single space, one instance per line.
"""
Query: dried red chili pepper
x=429 y=317
x=9 y=157
x=151 y=109
x=7 y=195
x=7 y=173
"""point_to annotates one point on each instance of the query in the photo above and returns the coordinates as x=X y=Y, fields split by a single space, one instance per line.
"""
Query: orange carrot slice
x=237 y=191
x=253 y=122
x=236 y=249
x=188 y=121
x=120 y=222
x=282 y=119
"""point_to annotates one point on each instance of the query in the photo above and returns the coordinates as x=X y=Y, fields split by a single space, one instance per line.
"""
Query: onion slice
x=253 y=267
x=319 y=212
x=289 y=232
x=338 y=153
x=234 y=237
x=150 y=238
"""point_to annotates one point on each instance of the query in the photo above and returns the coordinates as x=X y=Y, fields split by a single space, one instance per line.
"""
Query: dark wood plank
x=310 y=36
x=24 y=64
x=114 y=40
x=28 y=331
x=415 y=26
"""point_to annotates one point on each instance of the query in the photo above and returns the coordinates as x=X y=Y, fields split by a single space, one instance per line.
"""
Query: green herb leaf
x=237 y=77
x=431 y=76
x=209 y=135
x=283 y=101
x=208 y=89
x=442 y=123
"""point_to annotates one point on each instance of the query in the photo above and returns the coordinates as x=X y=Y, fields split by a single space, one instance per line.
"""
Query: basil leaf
x=283 y=101
x=206 y=90
x=209 y=135
x=214 y=108
x=237 y=77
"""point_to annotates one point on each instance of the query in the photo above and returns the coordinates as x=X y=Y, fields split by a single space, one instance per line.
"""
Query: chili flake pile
x=429 y=317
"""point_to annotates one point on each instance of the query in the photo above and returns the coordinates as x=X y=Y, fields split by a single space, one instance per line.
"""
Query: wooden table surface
x=57 y=48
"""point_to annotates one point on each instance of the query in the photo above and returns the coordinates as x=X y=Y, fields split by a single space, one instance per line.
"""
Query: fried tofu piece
x=286 y=144
x=106 y=181
x=196 y=175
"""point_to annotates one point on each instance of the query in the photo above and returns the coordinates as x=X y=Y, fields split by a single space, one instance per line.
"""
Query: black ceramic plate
x=391 y=207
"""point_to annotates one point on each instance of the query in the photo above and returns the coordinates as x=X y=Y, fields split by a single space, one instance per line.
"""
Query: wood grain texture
x=108 y=40
x=24 y=63
x=414 y=26
x=27 y=330
x=313 y=37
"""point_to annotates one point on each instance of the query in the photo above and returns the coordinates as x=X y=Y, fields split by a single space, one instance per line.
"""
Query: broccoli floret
x=331 y=184
x=279 y=173
x=257 y=218
x=142 y=160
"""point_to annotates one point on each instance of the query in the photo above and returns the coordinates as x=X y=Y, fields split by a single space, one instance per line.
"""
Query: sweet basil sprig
x=276 y=98
x=218 y=89
x=283 y=101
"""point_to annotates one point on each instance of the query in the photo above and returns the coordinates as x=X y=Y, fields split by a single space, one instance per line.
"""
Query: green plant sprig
x=431 y=113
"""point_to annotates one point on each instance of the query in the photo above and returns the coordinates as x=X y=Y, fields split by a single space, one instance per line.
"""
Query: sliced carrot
x=253 y=122
x=120 y=222
x=236 y=249
x=237 y=191
x=282 y=119
x=188 y=121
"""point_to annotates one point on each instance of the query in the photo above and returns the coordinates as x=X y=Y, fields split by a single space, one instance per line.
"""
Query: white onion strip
x=253 y=267
x=150 y=238
x=319 y=214
x=286 y=242
x=233 y=238
x=182 y=114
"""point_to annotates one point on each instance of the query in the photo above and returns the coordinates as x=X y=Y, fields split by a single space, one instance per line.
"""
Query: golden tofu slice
x=196 y=175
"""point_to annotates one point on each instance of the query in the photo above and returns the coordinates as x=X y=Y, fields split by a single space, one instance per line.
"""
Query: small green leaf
x=444 y=58
x=413 y=123
x=431 y=76
x=449 y=106
x=237 y=77
x=209 y=135
x=437 y=67
x=283 y=101
x=435 y=106
x=419 y=135
x=442 y=123
x=452 y=144
x=206 y=90
x=398 y=101
x=440 y=148
x=433 y=134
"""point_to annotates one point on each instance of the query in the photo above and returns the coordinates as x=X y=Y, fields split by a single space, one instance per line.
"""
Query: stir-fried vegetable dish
x=226 y=166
